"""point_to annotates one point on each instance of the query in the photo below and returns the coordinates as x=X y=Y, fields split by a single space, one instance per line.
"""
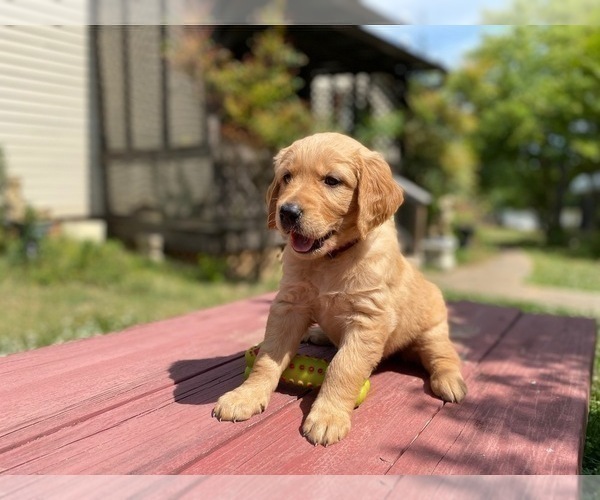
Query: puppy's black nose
x=289 y=214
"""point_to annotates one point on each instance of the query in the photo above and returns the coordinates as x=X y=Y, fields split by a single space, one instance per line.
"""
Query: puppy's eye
x=332 y=181
x=287 y=178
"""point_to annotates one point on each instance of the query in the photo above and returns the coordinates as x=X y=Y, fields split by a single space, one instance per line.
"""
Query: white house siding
x=44 y=104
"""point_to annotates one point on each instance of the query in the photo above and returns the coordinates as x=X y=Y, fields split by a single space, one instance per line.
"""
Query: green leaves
x=389 y=125
x=437 y=155
x=258 y=94
x=536 y=92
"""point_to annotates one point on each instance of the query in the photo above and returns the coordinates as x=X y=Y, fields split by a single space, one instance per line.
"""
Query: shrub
x=257 y=96
x=212 y=269
x=62 y=260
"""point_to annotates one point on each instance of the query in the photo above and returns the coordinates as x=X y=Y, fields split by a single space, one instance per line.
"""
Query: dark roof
x=334 y=49
x=297 y=12
x=413 y=191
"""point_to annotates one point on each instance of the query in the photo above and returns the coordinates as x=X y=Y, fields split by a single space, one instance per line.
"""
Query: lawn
x=558 y=269
x=78 y=290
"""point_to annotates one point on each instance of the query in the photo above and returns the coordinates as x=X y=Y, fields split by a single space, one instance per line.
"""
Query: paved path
x=505 y=277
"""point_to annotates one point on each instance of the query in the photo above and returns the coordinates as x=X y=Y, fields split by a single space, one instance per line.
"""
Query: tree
x=532 y=12
x=436 y=153
x=256 y=96
x=259 y=111
x=432 y=130
x=536 y=93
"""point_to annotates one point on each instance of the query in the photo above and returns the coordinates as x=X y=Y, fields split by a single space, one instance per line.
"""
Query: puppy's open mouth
x=303 y=244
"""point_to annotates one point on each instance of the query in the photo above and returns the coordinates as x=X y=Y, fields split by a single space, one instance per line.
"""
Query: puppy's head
x=328 y=191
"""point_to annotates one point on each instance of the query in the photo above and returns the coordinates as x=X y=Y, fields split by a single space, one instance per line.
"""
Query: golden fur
x=354 y=283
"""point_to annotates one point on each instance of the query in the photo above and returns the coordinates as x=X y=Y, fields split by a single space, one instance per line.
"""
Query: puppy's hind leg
x=440 y=359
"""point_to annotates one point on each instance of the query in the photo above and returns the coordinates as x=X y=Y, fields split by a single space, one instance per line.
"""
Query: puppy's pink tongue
x=300 y=243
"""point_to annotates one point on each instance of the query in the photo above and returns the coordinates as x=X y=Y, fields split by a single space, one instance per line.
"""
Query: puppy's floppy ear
x=273 y=190
x=379 y=195
x=272 y=195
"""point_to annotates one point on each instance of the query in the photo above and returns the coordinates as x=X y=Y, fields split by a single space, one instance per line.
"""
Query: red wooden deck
x=140 y=401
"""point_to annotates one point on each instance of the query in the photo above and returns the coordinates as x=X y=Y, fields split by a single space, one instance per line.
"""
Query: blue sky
x=442 y=30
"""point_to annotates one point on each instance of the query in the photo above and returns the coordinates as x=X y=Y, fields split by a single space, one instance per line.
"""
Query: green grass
x=557 y=269
x=498 y=237
x=591 y=454
x=78 y=290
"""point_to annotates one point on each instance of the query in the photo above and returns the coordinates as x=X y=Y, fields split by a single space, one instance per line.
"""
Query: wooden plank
x=150 y=415
x=478 y=487
x=165 y=332
x=44 y=390
x=166 y=430
x=526 y=411
x=77 y=487
x=298 y=487
x=293 y=487
x=476 y=328
x=155 y=434
x=188 y=487
x=399 y=393
x=277 y=446
x=463 y=437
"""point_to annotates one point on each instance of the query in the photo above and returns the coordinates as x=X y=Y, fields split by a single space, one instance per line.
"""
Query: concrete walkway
x=505 y=277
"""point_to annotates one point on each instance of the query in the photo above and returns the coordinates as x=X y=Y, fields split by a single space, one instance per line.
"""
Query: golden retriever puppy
x=342 y=268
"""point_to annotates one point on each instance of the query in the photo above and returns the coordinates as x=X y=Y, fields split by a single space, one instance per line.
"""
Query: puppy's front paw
x=449 y=385
x=240 y=404
x=326 y=426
